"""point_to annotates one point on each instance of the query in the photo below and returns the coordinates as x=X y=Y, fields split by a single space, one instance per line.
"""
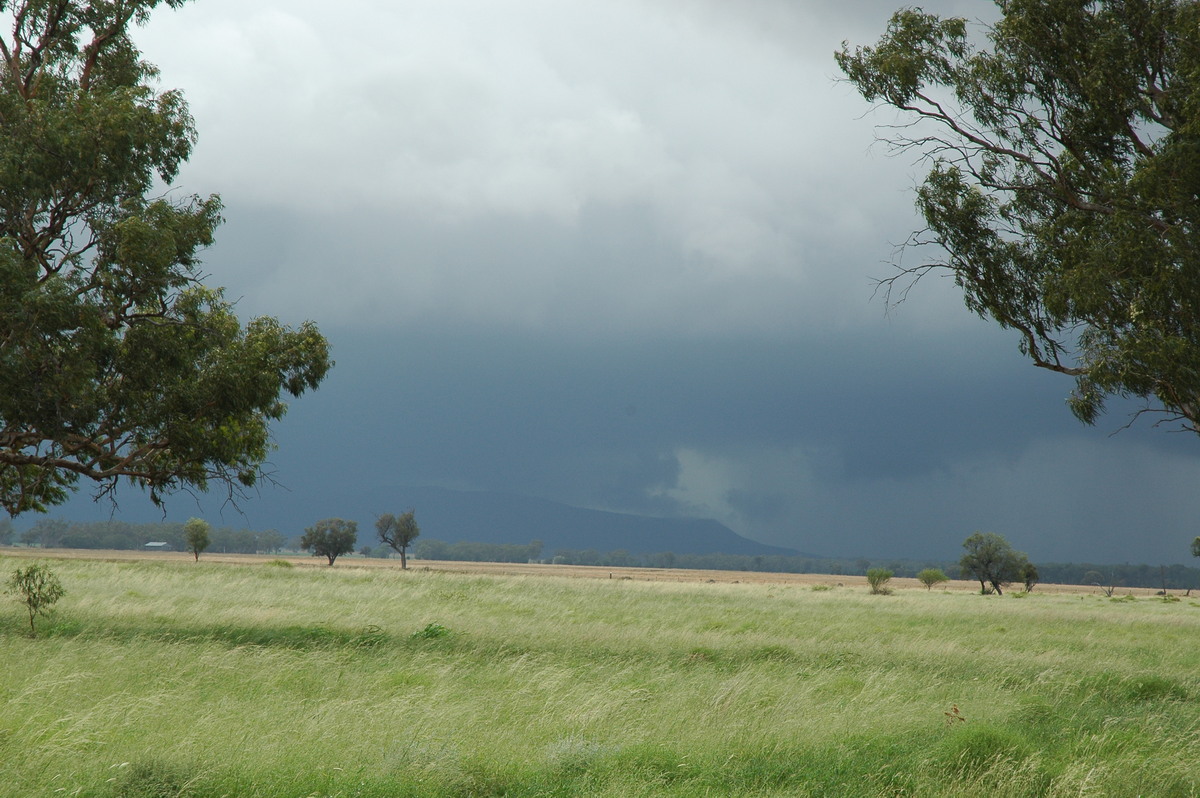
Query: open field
x=157 y=676
x=540 y=569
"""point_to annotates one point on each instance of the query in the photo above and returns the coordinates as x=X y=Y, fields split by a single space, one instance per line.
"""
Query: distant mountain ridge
x=486 y=517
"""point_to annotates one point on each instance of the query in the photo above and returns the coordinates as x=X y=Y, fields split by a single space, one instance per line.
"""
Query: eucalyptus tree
x=992 y=560
x=38 y=588
x=116 y=361
x=196 y=537
x=399 y=532
x=1064 y=144
x=330 y=538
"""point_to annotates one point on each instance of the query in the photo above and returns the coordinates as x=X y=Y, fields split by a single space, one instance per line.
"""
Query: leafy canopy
x=38 y=588
x=116 y=362
x=398 y=531
x=1065 y=154
x=195 y=536
x=932 y=576
x=330 y=538
x=992 y=560
x=878 y=579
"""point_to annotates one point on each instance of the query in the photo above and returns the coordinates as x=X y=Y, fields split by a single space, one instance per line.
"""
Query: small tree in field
x=1029 y=576
x=398 y=531
x=878 y=578
x=330 y=538
x=932 y=576
x=992 y=561
x=37 y=588
x=195 y=534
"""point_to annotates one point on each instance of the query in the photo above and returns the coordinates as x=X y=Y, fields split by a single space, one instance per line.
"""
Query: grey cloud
x=619 y=254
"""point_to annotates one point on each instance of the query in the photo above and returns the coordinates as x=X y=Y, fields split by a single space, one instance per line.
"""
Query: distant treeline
x=477 y=552
x=1172 y=577
x=57 y=533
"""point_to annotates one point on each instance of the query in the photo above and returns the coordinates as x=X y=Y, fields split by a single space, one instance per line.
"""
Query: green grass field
x=159 y=679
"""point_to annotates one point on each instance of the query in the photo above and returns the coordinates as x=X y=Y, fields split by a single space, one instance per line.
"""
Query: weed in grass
x=1036 y=711
x=574 y=755
x=701 y=656
x=280 y=564
x=151 y=779
x=371 y=636
x=432 y=631
x=1119 y=688
x=1155 y=688
x=973 y=749
x=772 y=653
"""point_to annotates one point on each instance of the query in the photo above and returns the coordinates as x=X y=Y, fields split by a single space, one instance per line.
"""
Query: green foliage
x=116 y=362
x=993 y=561
x=195 y=535
x=37 y=588
x=972 y=749
x=330 y=538
x=398 y=531
x=1118 y=688
x=151 y=779
x=878 y=579
x=932 y=576
x=432 y=631
x=1028 y=574
x=1062 y=190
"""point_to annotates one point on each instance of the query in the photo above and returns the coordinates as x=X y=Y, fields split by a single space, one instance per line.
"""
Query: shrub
x=878 y=578
x=932 y=576
x=37 y=588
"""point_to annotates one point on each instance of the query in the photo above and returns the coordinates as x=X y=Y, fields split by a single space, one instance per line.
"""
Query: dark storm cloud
x=620 y=254
x=895 y=458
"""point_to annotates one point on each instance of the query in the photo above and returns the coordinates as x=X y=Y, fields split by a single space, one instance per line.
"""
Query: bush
x=878 y=578
x=37 y=588
x=932 y=576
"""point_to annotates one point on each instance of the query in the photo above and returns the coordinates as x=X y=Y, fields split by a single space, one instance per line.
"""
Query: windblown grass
x=170 y=679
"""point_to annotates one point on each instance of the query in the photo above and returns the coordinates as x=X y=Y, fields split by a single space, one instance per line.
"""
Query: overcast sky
x=621 y=255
